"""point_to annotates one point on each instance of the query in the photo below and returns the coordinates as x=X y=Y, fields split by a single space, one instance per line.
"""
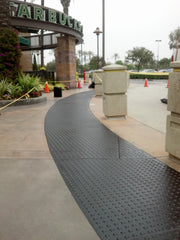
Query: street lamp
x=97 y=32
x=158 y=41
x=103 y=32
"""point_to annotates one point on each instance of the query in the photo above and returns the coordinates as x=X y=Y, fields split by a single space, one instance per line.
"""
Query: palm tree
x=116 y=55
x=90 y=55
x=65 y=4
x=85 y=55
x=174 y=42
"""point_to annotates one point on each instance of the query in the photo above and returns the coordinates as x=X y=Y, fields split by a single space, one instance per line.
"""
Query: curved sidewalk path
x=35 y=203
x=124 y=192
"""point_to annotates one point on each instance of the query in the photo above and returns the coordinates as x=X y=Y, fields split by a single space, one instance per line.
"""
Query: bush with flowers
x=14 y=84
x=10 y=54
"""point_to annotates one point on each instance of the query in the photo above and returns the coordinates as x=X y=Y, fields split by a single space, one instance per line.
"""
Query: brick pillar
x=4 y=13
x=66 y=61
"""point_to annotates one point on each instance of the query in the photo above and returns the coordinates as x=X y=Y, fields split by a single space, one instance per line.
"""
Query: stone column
x=98 y=78
x=173 y=120
x=4 y=13
x=66 y=61
x=115 y=83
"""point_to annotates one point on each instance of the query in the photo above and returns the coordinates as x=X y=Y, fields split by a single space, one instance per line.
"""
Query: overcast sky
x=128 y=24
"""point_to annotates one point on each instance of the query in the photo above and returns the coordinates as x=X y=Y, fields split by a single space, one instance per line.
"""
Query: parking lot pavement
x=145 y=106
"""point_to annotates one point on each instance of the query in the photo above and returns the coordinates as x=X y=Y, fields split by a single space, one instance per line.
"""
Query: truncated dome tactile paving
x=125 y=193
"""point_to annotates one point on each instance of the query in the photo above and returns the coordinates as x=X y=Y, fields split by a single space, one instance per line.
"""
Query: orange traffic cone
x=79 y=84
x=46 y=88
x=146 y=83
x=168 y=83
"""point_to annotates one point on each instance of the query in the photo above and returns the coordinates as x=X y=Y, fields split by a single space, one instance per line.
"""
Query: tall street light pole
x=97 y=32
x=158 y=41
x=42 y=33
x=103 y=32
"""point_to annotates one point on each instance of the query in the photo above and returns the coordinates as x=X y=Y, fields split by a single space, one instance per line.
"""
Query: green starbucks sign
x=24 y=14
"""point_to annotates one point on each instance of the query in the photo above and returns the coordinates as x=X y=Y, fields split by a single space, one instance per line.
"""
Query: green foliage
x=10 y=54
x=35 y=67
x=149 y=76
x=9 y=91
x=93 y=64
x=119 y=62
x=26 y=82
x=140 y=57
x=51 y=66
x=174 y=38
x=164 y=63
x=51 y=86
x=4 y=88
x=80 y=75
x=15 y=91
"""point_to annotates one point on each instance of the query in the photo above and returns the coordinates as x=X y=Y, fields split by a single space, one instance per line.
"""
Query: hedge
x=141 y=75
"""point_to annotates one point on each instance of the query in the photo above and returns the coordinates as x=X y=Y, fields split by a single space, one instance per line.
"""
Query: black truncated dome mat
x=124 y=192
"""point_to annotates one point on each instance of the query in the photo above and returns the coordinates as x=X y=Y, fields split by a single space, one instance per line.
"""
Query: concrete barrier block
x=98 y=90
x=115 y=82
x=115 y=105
x=173 y=135
x=174 y=92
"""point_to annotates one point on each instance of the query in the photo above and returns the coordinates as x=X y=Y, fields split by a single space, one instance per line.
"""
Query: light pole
x=42 y=39
x=103 y=32
x=158 y=41
x=65 y=4
x=97 y=32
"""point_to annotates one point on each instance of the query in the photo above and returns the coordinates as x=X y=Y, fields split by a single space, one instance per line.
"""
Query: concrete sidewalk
x=35 y=203
x=34 y=200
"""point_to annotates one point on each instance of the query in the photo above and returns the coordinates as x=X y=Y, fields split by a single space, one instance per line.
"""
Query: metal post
x=103 y=32
x=158 y=41
x=97 y=32
x=42 y=32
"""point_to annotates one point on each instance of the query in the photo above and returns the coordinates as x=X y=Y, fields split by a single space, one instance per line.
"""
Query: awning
x=24 y=41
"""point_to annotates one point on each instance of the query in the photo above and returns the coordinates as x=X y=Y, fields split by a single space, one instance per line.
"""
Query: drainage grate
x=124 y=192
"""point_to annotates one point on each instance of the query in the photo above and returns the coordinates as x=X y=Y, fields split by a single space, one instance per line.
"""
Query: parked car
x=149 y=70
x=168 y=70
x=133 y=70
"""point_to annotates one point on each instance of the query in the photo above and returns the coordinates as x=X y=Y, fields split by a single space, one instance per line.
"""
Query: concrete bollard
x=86 y=77
x=115 y=84
x=173 y=120
x=98 y=78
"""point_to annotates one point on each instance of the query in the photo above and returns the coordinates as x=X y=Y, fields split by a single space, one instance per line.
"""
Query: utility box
x=98 y=78
x=115 y=84
x=173 y=120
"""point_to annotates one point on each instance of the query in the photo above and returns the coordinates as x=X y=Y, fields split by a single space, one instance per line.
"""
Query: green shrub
x=139 y=75
x=4 y=88
x=15 y=91
x=81 y=75
x=51 y=86
x=26 y=82
x=10 y=54
x=9 y=91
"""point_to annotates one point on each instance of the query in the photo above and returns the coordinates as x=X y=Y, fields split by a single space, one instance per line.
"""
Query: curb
x=21 y=102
